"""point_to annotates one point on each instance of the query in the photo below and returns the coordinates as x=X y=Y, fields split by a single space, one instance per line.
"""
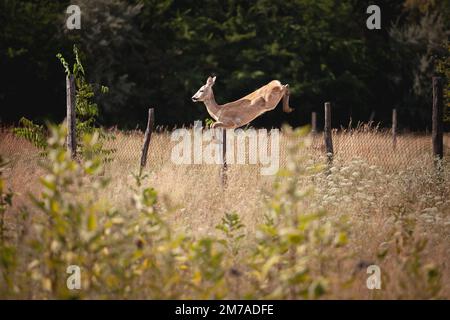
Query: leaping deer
x=240 y=112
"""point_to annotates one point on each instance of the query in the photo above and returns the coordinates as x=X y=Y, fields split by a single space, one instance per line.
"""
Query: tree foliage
x=158 y=52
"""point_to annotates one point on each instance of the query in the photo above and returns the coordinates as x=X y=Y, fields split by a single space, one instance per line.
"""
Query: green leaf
x=92 y=222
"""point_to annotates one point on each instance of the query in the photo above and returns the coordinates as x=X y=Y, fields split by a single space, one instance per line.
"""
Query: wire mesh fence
x=374 y=146
x=377 y=148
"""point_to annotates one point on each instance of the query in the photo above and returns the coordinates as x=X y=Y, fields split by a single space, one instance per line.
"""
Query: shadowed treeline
x=158 y=53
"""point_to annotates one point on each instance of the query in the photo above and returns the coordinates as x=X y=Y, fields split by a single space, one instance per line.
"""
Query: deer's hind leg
x=286 y=94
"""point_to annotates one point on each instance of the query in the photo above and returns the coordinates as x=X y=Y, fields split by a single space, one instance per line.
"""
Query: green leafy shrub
x=86 y=112
x=296 y=249
x=32 y=132
x=86 y=109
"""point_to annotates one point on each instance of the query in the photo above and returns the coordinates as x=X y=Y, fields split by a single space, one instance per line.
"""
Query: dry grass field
x=390 y=207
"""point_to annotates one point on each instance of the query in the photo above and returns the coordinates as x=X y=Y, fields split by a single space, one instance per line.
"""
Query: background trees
x=157 y=53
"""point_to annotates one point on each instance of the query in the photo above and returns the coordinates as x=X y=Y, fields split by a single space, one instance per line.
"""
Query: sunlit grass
x=390 y=204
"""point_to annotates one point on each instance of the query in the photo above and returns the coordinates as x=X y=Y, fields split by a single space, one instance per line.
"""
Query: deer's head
x=205 y=91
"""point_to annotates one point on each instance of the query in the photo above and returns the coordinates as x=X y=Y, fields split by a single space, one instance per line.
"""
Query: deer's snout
x=194 y=98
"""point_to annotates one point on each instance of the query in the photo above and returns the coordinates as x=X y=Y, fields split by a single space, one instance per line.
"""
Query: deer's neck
x=212 y=106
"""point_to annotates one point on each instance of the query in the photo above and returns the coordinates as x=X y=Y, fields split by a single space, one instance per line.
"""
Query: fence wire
x=376 y=147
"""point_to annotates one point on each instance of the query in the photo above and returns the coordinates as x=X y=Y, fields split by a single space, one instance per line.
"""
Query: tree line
x=157 y=53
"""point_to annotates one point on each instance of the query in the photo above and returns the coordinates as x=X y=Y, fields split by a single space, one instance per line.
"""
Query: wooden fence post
x=394 y=128
x=372 y=117
x=147 y=136
x=327 y=133
x=313 y=122
x=224 y=158
x=71 y=118
x=437 y=119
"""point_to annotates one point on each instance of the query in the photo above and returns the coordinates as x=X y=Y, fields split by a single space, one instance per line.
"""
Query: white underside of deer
x=240 y=112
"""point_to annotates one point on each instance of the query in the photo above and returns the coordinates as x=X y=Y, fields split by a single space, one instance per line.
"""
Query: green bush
x=86 y=113
x=32 y=132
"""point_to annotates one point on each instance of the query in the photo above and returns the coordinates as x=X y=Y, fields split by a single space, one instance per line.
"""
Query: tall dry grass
x=391 y=198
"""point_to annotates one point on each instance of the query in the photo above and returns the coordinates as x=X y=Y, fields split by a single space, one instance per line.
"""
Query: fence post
x=327 y=133
x=147 y=136
x=372 y=116
x=437 y=119
x=71 y=119
x=224 y=158
x=313 y=122
x=394 y=128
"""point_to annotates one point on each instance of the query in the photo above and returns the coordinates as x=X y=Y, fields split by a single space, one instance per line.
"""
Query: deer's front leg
x=214 y=126
x=217 y=124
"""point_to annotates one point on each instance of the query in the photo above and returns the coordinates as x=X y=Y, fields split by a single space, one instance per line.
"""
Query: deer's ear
x=211 y=80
